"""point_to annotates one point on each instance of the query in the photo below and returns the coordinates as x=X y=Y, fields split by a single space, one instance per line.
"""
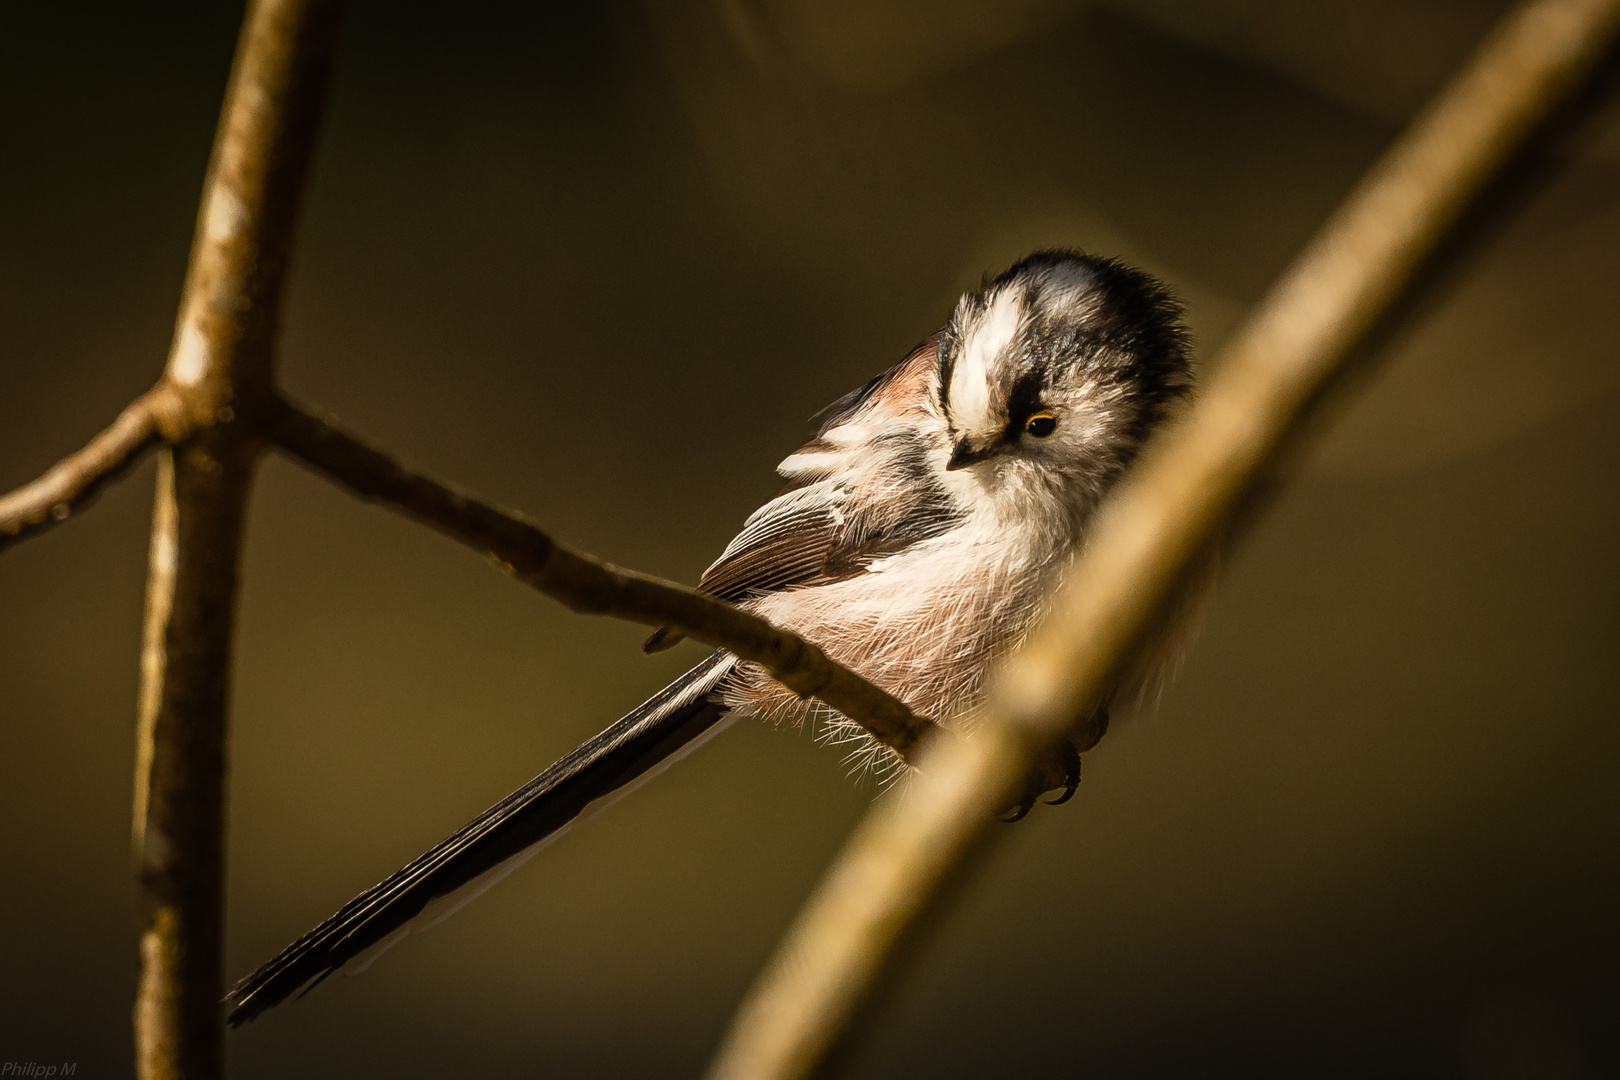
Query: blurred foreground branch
x=813 y=991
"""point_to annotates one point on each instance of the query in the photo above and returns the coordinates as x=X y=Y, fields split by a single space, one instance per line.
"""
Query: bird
x=920 y=533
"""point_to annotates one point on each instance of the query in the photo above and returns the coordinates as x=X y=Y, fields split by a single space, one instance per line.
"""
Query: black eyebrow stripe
x=1024 y=399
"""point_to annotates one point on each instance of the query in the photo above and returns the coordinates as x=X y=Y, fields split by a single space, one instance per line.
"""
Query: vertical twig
x=180 y=757
x=219 y=380
x=813 y=990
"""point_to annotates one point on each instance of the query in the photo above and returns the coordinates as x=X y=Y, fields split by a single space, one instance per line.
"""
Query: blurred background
x=601 y=263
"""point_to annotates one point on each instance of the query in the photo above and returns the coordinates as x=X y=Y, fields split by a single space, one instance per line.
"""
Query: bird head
x=1052 y=374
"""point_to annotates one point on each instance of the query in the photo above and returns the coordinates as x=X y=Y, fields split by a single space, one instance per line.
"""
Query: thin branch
x=588 y=585
x=74 y=482
x=220 y=377
x=894 y=866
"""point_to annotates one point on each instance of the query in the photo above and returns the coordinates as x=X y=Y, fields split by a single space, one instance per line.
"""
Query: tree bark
x=219 y=387
x=181 y=758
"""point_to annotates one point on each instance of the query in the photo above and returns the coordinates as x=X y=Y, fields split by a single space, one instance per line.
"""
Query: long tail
x=496 y=842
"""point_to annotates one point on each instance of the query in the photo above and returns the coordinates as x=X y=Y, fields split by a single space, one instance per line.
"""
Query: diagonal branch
x=74 y=482
x=1182 y=493
x=588 y=585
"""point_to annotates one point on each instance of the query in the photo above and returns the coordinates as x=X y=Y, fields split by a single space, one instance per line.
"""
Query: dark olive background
x=601 y=263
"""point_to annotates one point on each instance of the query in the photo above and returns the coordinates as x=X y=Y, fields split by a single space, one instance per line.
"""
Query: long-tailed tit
x=919 y=534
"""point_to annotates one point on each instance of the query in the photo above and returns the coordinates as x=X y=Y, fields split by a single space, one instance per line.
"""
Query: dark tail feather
x=651 y=735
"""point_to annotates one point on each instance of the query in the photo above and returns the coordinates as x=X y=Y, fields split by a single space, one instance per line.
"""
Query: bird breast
x=924 y=624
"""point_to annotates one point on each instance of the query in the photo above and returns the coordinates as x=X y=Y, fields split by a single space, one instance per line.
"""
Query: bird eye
x=1041 y=424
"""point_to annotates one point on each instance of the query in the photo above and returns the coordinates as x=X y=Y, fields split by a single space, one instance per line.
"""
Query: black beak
x=966 y=454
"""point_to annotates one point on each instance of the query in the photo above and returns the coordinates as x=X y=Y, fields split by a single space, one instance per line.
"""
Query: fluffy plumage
x=919 y=534
x=957 y=561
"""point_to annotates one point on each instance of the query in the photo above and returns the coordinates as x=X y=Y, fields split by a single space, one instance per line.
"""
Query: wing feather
x=863 y=491
x=790 y=540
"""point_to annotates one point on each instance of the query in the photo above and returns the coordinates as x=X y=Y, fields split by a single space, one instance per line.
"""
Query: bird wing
x=791 y=540
x=787 y=541
x=854 y=497
x=808 y=536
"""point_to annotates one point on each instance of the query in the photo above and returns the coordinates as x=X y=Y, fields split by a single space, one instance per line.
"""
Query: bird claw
x=1040 y=782
x=1019 y=812
x=1071 y=778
